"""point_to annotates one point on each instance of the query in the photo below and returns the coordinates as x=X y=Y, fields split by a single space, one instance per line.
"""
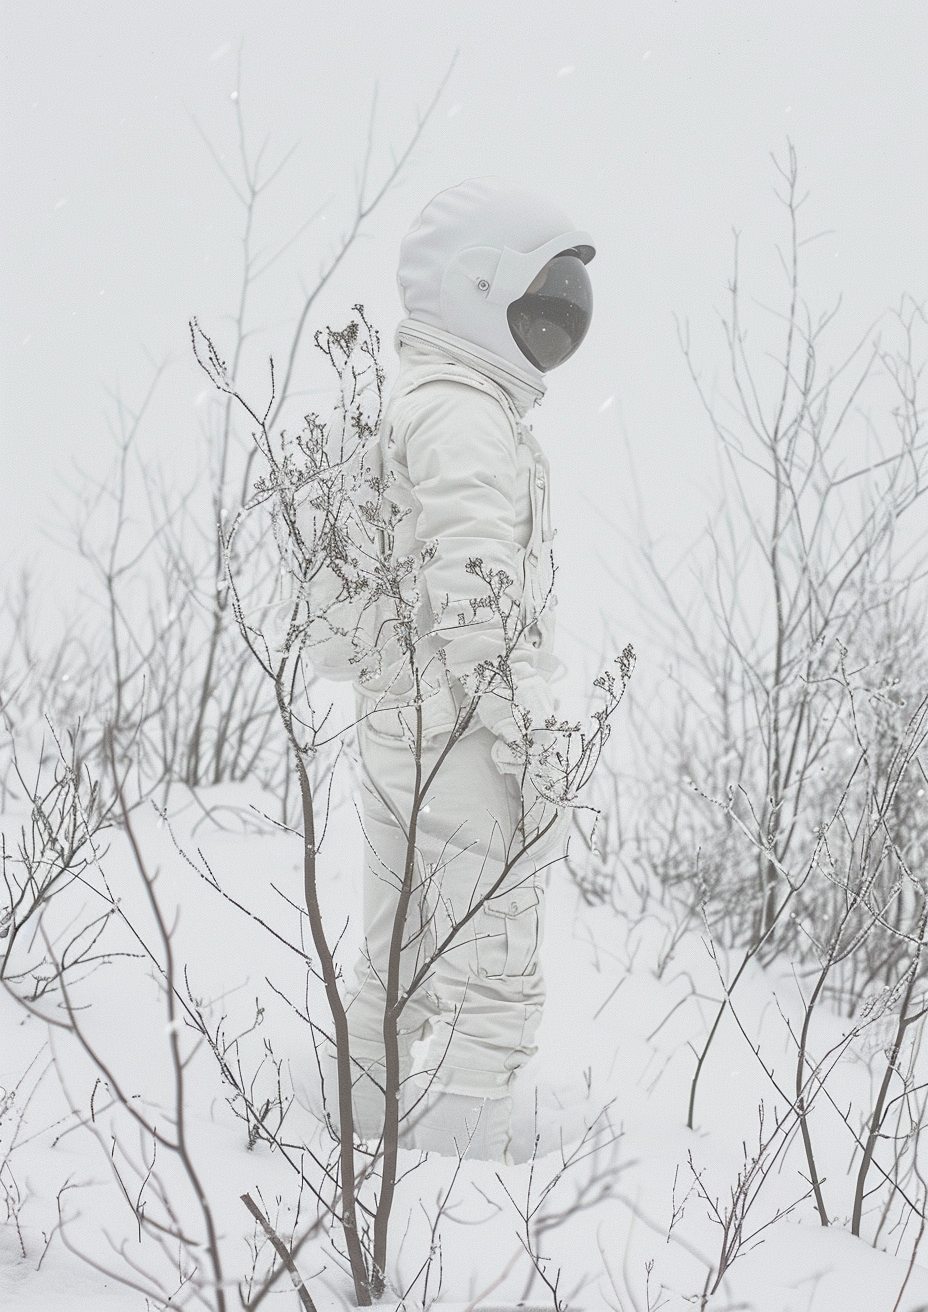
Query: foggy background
x=651 y=123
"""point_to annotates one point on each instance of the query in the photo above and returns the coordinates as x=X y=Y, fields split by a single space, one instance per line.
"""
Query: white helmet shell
x=474 y=250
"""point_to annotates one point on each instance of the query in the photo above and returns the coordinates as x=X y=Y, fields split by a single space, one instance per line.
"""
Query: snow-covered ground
x=626 y=1226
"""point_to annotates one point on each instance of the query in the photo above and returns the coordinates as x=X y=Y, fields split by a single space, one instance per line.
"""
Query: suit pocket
x=393 y=719
x=514 y=920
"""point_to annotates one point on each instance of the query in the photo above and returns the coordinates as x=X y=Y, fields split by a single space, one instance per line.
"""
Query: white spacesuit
x=496 y=292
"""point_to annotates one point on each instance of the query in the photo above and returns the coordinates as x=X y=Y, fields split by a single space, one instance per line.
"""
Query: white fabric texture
x=471 y=478
x=472 y=1024
x=473 y=484
x=520 y=385
x=457 y=1125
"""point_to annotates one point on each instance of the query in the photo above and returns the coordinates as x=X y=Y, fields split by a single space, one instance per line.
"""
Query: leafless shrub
x=593 y=1183
x=153 y=662
x=813 y=581
x=816 y=543
x=344 y=588
x=164 y=692
x=738 y=1231
x=66 y=814
x=14 y=1105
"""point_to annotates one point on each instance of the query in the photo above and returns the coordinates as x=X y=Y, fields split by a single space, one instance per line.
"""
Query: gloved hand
x=526 y=739
x=521 y=704
x=519 y=710
x=532 y=759
x=536 y=760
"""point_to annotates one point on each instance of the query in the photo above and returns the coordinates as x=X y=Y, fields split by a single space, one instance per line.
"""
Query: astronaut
x=496 y=292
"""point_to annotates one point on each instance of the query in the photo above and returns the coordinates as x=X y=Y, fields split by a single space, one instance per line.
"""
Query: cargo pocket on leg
x=516 y=924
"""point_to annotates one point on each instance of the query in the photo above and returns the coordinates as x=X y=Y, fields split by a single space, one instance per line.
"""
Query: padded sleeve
x=462 y=464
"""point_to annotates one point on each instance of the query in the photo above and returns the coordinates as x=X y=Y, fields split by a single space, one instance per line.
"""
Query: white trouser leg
x=386 y=855
x=482 y=1002
x=456 y=1124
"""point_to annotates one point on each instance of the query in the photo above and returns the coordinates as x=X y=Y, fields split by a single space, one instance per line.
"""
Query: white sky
x=652 y=123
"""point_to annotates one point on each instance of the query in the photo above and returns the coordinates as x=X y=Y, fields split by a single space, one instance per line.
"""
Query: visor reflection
x=551 y=319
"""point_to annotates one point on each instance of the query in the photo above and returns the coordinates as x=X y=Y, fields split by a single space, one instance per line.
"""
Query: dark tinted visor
x=550 y=321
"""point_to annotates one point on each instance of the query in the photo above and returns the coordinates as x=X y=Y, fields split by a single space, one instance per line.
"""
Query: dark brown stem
x=282 y=1251
x=876 y=1120
x=180 y=1147
x=801 y=1108
x=391 y=1015
x=349 y=1212
x=748 y=956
